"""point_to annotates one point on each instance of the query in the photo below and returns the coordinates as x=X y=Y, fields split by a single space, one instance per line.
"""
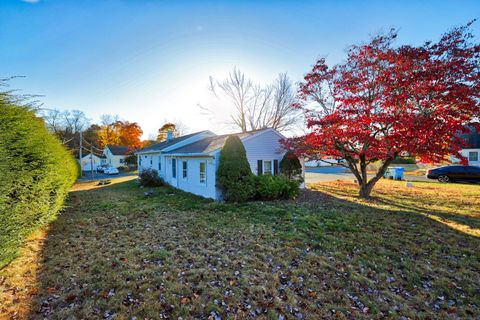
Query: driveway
x=322 y=174
x=99 y=176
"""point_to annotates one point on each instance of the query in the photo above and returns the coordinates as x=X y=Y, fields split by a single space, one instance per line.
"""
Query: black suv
x=455 y=173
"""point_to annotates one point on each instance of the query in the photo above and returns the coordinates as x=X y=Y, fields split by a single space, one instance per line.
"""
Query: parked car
x=455 y=173
x=110 y=170
x=102 y=168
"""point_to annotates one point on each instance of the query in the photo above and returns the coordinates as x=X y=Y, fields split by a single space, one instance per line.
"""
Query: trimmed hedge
x=276 y=187
x=36 y=174
x=234 y=176
x=404 y=160
x=291 y=167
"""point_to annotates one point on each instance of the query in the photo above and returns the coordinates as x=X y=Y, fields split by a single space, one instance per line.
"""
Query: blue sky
x=150 y=61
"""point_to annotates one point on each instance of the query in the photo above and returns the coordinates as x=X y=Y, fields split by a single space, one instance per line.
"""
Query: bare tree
x=257 y=107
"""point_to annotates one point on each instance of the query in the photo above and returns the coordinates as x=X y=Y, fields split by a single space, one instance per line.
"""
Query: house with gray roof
x=116 y=155
x=190 y=162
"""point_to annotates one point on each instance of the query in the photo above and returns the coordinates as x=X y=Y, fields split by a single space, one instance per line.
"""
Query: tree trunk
x=367 y=187
x=365 y=190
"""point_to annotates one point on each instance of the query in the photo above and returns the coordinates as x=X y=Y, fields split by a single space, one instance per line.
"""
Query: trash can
x=395 y=173
x=398 y=174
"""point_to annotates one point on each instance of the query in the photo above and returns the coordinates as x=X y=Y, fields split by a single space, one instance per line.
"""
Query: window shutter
x=259 y=167
x=275 y=167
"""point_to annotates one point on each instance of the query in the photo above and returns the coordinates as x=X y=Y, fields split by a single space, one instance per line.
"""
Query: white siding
x=114 y=160
x=466 y=153
x=264 y=146
x=192 y=182
x=87 y=162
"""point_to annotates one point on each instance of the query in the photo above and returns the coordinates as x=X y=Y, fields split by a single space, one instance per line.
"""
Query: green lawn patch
x=118 y=252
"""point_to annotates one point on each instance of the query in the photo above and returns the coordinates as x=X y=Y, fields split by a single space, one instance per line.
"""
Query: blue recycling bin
x=395 y=173
x=398 y=173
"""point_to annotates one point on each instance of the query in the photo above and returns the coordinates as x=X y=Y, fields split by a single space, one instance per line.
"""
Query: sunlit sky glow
x=150 y=61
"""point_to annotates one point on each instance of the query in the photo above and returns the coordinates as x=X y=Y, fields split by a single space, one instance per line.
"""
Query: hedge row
x=36 y=172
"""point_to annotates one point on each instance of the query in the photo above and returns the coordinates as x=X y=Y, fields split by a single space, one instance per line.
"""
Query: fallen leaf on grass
x=70 y=298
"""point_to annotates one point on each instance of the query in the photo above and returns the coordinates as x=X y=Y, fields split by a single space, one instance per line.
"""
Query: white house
x=90 y=161
x=472 y=155
x=472 y=152
x=190 y=162
x=116 y=155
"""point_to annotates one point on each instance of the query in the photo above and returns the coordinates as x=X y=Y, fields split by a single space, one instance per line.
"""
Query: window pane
x=473 y=156
x=267 y=167
x=159 y=163
x=184 y=170
x=174 y=168
x=203 y=167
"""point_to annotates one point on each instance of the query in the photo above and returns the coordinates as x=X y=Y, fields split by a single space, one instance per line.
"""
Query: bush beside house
x=291 y=167
x=234 y=176
x=238 y=184
x=150 y=178
x=276 y=187
x=37 y=172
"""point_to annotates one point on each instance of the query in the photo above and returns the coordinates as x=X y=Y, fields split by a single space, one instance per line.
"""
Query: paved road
x=322 y=174
x=99 y=176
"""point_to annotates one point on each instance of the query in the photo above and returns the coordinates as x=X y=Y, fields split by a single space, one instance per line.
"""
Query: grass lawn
x=117 y=253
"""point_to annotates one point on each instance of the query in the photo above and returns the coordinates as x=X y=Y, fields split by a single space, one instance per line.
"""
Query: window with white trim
x=203 y=172
x=184 y=169
x=473 y=156
x=267 y=167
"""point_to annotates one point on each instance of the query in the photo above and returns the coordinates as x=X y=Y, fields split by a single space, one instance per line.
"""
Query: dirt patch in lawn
x=117 y=253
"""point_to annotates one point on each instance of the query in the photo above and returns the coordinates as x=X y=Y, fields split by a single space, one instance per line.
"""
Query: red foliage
x=386 y=100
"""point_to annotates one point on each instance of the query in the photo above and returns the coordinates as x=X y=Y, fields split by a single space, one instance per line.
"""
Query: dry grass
x=116 y=253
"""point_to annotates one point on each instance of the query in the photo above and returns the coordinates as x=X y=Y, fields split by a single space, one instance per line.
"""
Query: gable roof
x=210 y=144
x=118 y=150
x=164 y=144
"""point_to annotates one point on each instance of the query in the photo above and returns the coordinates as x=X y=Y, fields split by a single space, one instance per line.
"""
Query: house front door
x=174 y=172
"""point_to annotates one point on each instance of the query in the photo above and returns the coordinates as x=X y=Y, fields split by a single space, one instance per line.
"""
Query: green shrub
x=291 y=167
x=234 y=176
x=404 y=160
x=276 y=187
x=36 y=174
x=150 y=178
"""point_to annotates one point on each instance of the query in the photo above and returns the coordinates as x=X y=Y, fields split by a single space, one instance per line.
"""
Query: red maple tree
x=384 y=101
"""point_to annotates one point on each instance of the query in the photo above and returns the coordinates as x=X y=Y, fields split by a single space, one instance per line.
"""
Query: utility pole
x=80 y=153
x=91 y=160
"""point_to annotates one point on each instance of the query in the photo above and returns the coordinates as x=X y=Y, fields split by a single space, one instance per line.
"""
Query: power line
x=91 y=145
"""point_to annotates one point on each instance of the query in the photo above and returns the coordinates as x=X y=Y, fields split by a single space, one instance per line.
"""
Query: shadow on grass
x=105 y=255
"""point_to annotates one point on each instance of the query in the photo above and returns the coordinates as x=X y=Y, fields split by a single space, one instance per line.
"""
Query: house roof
x=164 y=144
x=210 y=144
x=118 y=150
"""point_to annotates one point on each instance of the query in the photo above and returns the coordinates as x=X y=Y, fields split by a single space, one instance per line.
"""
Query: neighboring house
x=116 y=155
x=190 y=162
x=472 y=152
x=90 y=161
